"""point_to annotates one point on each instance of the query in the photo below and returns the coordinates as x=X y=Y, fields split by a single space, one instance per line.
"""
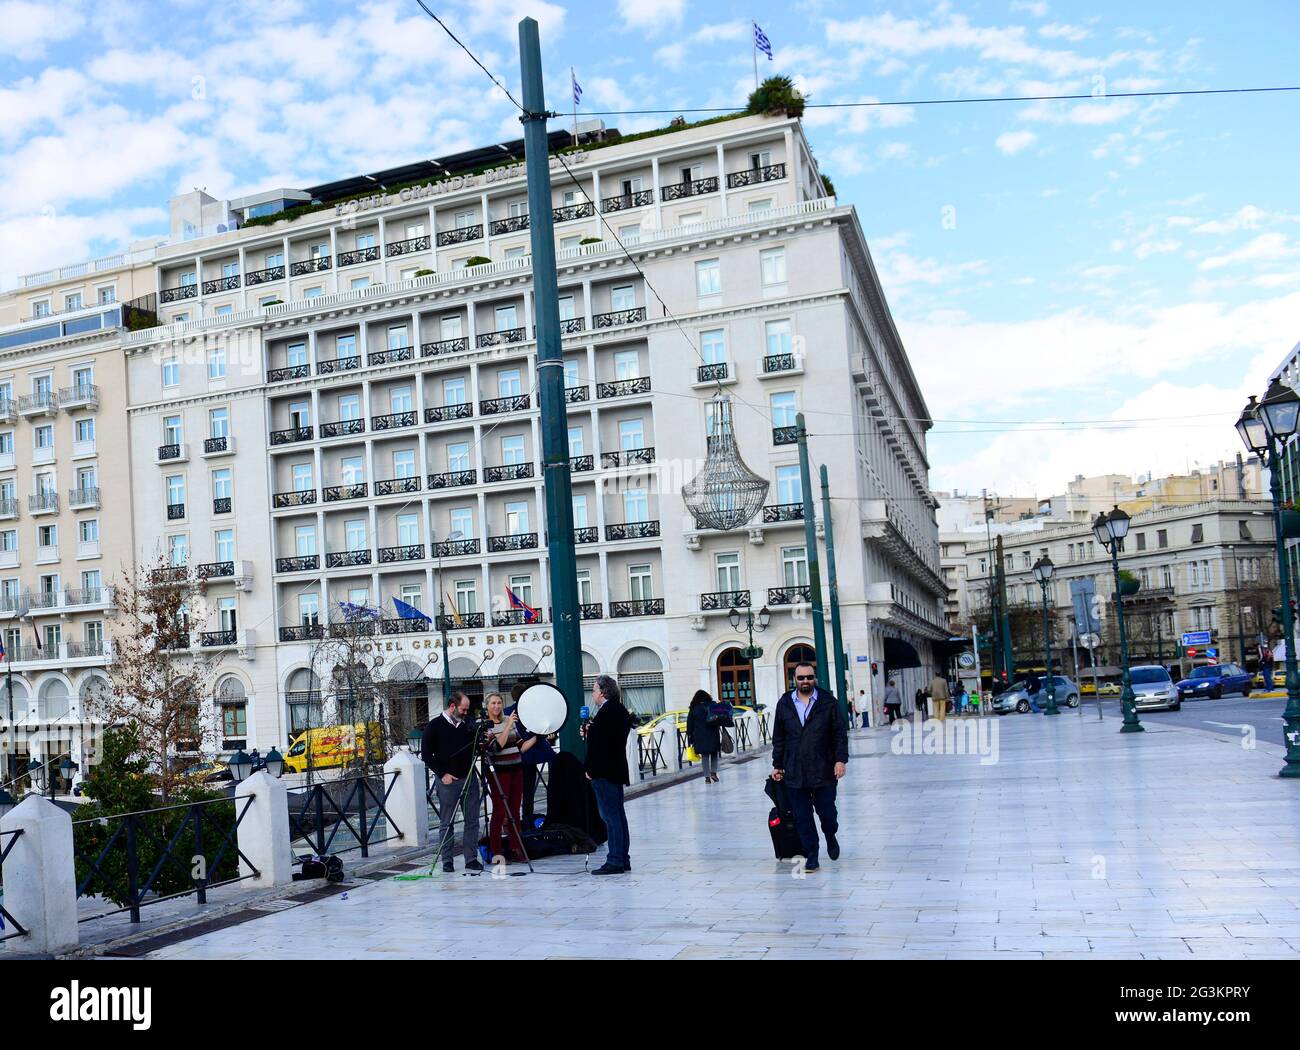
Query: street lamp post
x=751 y=652
x=1265 y=427
x=442 y=622
x=1110 y=530
x=1043 y=569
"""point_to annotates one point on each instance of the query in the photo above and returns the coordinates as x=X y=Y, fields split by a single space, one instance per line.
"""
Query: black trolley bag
x=780 y=822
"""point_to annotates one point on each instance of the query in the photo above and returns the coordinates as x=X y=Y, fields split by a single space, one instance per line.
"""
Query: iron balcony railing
x=785 y=435
x=85 y=595
x=8 y=508
x=82 y=650
x=453 y=479
x=592 y=611
x=209 y=639
x=166 y=452
x=291 y=434
x=394 y=486
x=444 y=346
x=513 y=224
x=82 y=394
x=694 y=188
x=408 y=246
x=338 y=364
x=271 y=273
x=515 y=618
x=628 y=457
x=183 y=291
x=359 y=490
x=789 y=595
x=392 y=421
x=406 y=552
x=217 y=444
x=353 y=628
x=640 y=607
x=342 y=559
x=298 y=563
x=506 y=335
x=297 y=498
x=221 y=284
x=309 y=266
x=775 y=512
x=467 y=622
x=586 y=534
x=511 y=403
x=631 y=530
x=8 y=410
x=443 y=413
x=711 y=373
x=339 y=427
x=85 y=497
x=453 y=548
x=520 y=541
x=359 y=255
x=460 y=235
x=405 y=625
x=623 y=387
x=391 y=354
x=619 y=317
x=221 y=505
x=755 y=176
x=175 y=511
x=282 y=375
x=39 y=501
x=302 y=632
x=778 y=363
x=712 y=600
x=569 y=212
x=639 y=199
x=571 y=325
x=215 y=570
x=574 y=394
x=577 y=463
x=508 y=472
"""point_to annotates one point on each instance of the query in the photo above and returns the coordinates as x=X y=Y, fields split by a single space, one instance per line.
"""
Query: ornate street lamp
x=415 y=739
x=241 y=765
x=1265 y=428
x=273 y=763
x=1043 y=569
x=66 y=768
x=751 y=652
x=1110 y=530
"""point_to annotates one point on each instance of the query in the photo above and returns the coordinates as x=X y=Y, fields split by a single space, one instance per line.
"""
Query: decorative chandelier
x=725 y=494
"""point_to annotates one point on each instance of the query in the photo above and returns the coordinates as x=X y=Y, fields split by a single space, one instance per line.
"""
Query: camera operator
x=448 y=750
x=507 y=742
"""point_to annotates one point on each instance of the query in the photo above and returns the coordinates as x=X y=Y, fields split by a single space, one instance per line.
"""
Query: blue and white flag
x=762 y=43
x=406 y=611
x=351 y=610
x=577 y=88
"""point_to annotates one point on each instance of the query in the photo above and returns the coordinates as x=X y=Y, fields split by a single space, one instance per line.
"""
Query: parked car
x=1154 y=689
x=1109 y=689
x=1213 y=681
x=1017 y=697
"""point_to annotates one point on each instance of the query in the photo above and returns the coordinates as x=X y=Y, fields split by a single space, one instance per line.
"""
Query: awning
x=899 y=654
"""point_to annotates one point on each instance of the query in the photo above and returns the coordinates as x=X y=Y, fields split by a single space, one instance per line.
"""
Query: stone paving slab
x=1077 y=842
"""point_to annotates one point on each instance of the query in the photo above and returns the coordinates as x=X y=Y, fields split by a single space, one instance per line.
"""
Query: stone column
x=40 y=876
x=263 y=834
x=407 y=804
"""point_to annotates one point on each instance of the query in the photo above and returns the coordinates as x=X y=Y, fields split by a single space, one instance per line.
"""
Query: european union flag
x=406 y=611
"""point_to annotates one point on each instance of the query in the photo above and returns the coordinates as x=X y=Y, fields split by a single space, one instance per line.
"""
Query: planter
x=1290 y=524
x=1128 y=588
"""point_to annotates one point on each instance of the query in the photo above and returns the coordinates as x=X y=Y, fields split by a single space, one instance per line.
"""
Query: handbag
x=720 y=715
x=725 y=741
x=691 y=754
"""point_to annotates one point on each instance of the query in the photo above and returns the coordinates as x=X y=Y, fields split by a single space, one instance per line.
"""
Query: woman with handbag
x=704 y=733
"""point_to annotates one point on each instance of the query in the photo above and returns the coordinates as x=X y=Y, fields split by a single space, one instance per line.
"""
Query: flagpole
x=573 y=81
x=753 y=47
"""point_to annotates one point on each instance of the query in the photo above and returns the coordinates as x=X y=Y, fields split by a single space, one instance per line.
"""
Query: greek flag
x=762 y=43
x=577 y=89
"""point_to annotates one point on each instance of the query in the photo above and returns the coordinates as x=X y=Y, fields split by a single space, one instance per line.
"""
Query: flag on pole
x=408 y=612
x=577 y=88
x=353 y=610
x=762 y=43
x=3 y=655
x=530 y=614
x=455 y=612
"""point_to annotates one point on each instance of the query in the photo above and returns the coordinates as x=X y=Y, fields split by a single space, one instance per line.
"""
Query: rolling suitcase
x=780 y=823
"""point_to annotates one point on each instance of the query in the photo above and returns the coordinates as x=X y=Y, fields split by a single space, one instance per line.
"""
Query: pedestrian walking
x=810 y=753
x=919 y=700
x=1032 y=688
x=853 y=713
x=1266 y=664
x=864 y=708
x=447 y=749
x=893 y=701
x=939 y=696
x=606 y=768
x=704 y=734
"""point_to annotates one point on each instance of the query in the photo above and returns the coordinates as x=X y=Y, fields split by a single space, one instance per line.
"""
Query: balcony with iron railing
x=396 y=486
x=297 y=498
x=508 y=472
x=637 y=607
x=614 y=318
x=628 y=457
x=511 y=403
x=461 y=622
x=221 y=284
x=8 y=508
x=359 y=255
x=755 y=176
x=575 y=394
x=713 y=601
x=42 y=402
x=626 y=201
x=172 y=453
x=283 y=375
x=586 y=534
x=631 y=530
x=218 y=639
x=591 y=611
x=342 y=427
x=391 y=355
x=408 y=246
x=774 y=513
x=681 y=190
x=580 y=463
x=302 y=632
x=81 y=597
x=455 y=548
x=440 y=347
x=84 y=498
x=785 y=435
x=502 y=337
x=307 y=266
x=181 y=291
x=221 y=505
x=218 y=446
x=453 y=479
x=298 y=563
x=290 y=435
x=404 y=552
x=572 y=325
x=338 y=364
x=393 y=421
x=405 y=625
x=83 y=395
x=354 y=490
x=569 y=212
x=513 y=224
x=43 y=502
x=519 y=541
x=460 y=235
x=776 y=363
x=175 y=511
x=516 y=618
x=714 y=373
x=215 y=570
x=798 y=595
x=355 y=628
x=623 y=387
x=270 y=273
x=344 y=559
x=445 y=413
x=8 y=410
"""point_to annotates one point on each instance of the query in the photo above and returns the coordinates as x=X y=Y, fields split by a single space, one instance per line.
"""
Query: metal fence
x=8 y=839
x=334 y=816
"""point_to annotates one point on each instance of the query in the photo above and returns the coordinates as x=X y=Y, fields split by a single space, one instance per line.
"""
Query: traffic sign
x=1197 y=638
x=1212 y=652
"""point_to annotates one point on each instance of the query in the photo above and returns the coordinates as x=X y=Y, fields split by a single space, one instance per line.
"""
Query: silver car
x=1154 y=689
x=1017 y=698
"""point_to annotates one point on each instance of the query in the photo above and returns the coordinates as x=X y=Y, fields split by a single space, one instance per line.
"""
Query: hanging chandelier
x=725 y=494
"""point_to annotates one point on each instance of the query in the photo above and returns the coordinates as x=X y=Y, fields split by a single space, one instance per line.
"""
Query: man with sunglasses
x=810 y=749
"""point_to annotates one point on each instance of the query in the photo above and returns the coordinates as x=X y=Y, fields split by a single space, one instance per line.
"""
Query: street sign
x=1197 y=638
x=1212 y=652
x=863 y=659
x=966 y=660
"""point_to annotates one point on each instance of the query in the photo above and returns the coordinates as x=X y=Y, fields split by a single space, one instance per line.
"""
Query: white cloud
x=1247 y=217
x=29 y=27
x=1012 y=142
x=651 y=15
x=1061 y=31
x=1267 y=247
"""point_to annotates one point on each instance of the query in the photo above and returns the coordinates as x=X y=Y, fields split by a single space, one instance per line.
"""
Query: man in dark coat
x=810 y=750
x=607 y=770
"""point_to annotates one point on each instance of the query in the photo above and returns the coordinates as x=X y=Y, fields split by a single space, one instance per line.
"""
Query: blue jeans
x=609 y=800
x=803 y=801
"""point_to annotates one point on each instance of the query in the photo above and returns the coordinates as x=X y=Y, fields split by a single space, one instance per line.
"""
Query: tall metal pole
x=1291 y=715
x=841 y=689
x=1051 y=708
x=1127 y=698
x=442 y=629
x=563 y=575
x=1008 y=657
x=810 y=548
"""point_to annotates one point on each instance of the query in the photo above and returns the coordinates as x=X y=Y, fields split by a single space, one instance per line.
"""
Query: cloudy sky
x=1083 y=286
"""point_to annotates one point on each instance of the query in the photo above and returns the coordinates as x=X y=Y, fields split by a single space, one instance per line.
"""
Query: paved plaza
x=1076 y=842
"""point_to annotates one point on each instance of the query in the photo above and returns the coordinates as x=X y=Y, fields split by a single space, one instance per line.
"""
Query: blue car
x=1213 y=682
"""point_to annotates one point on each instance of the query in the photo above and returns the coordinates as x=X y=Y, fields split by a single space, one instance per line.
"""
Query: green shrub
x=424 y=272
x=477 y=260
x=827 y=185
x=590 y=240
x=776 y=95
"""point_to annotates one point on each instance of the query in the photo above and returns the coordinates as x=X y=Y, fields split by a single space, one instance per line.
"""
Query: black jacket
x=808 y=753
x=446 y=748
x=699 y=734
x=607 y=743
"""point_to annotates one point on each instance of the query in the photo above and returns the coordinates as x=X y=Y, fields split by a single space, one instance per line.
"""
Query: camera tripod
x=490 y=767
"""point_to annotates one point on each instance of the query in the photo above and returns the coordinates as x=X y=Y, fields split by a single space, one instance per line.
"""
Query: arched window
x=735 y=677
x=232 y=701
x=641 y=678
x=55 y=702
x=302 y=695
x=798 y=654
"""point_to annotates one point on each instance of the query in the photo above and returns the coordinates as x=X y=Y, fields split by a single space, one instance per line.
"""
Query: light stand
x=751 y=652
x=1110 y=530
x=1043 y=569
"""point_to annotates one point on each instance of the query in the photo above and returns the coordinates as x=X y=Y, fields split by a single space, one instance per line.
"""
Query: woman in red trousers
x=506 y=747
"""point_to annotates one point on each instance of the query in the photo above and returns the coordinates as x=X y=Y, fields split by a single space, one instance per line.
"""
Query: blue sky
x=1127 y=260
